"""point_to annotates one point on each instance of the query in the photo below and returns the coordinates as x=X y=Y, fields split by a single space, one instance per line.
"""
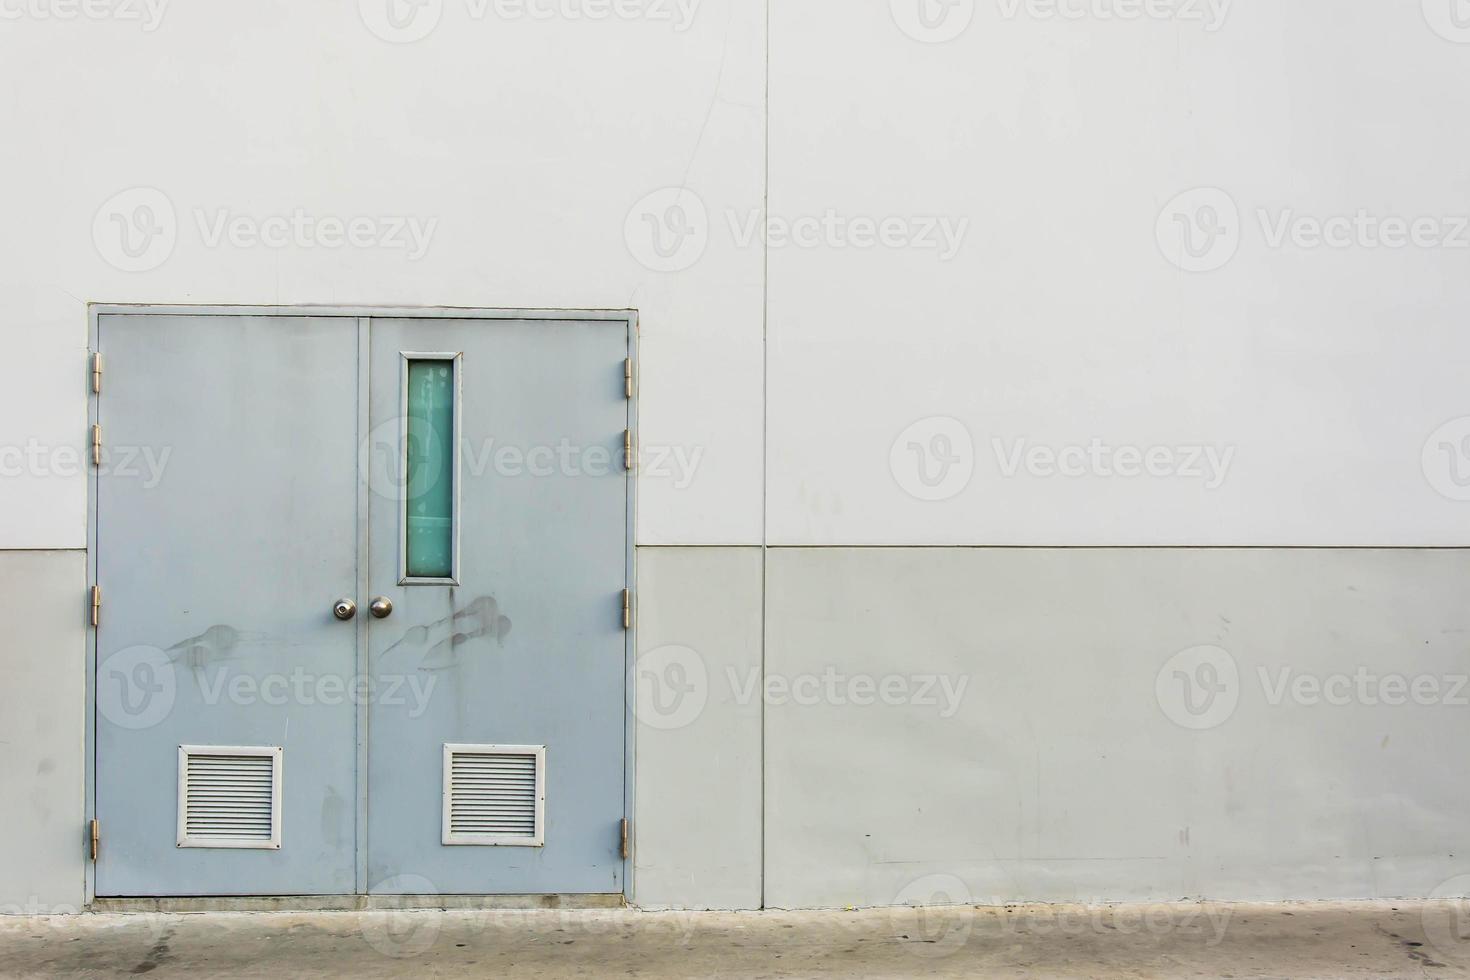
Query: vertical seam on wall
x=765 y=426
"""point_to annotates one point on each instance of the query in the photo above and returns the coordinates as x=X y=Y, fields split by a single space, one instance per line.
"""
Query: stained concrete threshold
x=356 y=903
x=1359 y=939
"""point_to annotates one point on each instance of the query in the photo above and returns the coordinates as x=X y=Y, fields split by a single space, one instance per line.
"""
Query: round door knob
x=344 y=609
x=381 y=607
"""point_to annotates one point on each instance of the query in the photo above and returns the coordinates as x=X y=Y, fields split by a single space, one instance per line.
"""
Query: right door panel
x=496 y=727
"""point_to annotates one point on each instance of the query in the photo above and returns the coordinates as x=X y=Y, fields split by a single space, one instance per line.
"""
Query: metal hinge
x=96 y=445
x=623 y=839
x=627 y=449
x=627 y=609
x=97 y=372
x=96 y=837
x=96 y=605
x=628 y=377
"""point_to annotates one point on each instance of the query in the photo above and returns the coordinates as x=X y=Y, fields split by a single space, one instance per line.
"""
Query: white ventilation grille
x=229 y=796
x=495 y=794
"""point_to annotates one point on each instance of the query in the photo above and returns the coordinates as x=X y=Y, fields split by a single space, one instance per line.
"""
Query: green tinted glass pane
x=430 y=467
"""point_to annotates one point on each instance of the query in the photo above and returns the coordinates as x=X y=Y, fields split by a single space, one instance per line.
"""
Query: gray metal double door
x=360 y=624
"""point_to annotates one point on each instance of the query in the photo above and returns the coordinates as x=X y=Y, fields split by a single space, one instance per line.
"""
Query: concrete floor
x=1319 y=940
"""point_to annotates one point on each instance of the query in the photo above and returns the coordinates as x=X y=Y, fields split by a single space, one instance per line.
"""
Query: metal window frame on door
x=97 y=310
x=456 y=358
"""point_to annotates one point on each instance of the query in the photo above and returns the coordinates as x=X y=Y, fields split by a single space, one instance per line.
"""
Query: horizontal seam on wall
x=1115 y=547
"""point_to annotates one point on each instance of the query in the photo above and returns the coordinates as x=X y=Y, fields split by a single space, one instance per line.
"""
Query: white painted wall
x=1060 y=320
x=528 y=141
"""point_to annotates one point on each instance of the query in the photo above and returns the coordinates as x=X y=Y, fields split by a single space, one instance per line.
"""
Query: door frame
x=363 y=314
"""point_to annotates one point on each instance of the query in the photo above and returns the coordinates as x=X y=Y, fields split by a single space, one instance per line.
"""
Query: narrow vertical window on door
x=430 y=445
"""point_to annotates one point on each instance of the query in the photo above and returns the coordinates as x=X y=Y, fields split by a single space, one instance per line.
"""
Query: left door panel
x=227 y=528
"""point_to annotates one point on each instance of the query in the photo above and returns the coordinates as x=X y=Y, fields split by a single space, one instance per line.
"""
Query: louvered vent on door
x=229 y=796
x=495 y=794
